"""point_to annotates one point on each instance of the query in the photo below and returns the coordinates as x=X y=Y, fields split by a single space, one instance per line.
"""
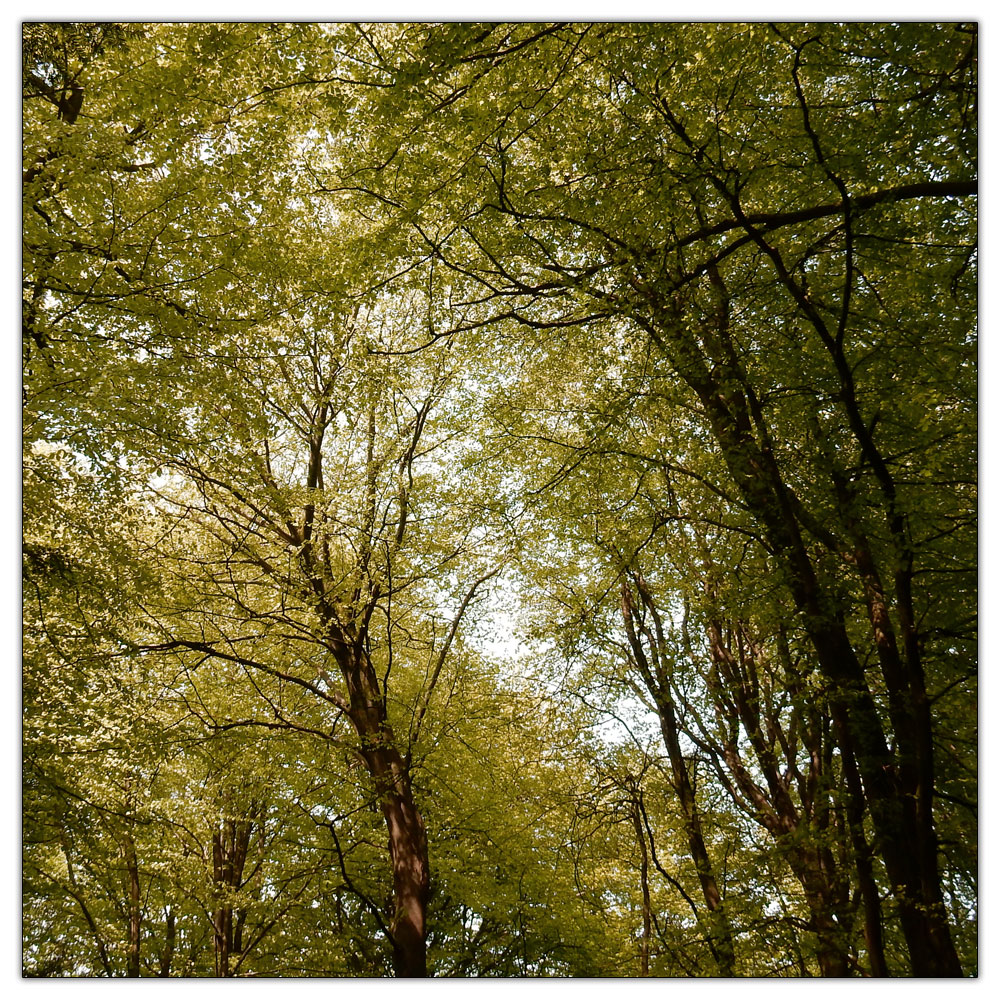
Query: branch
x=418 y=721
x=333 y=697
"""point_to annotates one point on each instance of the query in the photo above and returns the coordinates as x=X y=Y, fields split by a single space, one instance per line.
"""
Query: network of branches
x=499 y=499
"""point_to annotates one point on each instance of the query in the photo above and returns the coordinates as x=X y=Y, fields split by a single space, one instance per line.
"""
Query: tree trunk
x=917 y=893
x=410 y=871
x=167 y=955
x=720 y=936
x=229 y=853
x=134 y=911
x=737 y=666
x=899 y=806
x=647 y=909
x=863 y=866
x=404 y=823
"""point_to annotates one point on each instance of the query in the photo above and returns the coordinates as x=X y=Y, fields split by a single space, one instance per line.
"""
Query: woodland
x=499 y=500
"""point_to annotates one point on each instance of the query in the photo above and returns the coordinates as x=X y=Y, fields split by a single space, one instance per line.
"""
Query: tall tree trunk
x=909 y=707
x=863 y=866
x=720 y=935
x=647 y=909
x=346 y=635
x=230 y=844
x=898 y=785
x=830 y=951
x=410 y=870
x=407 y=836
x=917 y=893
x=167 y=955
x=134 y=909
x=798 y=829
x=899 y=806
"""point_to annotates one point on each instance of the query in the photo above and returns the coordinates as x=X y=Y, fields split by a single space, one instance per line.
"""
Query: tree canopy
x=499 y=499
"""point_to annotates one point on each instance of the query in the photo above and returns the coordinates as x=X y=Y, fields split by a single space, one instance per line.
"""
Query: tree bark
x=167 y=955
x=892 y=797
x=229 y=853
x=720 y=936
x=647 y=909
x=798 y=829
x=134 y=910
x=390 y=776
x=863 y=865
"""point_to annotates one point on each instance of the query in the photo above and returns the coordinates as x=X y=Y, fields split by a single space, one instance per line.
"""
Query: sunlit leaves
x=374 y=328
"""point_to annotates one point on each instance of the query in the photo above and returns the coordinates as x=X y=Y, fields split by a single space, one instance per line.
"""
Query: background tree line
x=499 y=499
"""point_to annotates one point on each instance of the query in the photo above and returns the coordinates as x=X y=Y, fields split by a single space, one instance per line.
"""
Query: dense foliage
x=499 y=500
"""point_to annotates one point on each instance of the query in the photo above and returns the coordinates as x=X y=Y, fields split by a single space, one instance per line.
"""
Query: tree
x=346 y=546
x=333 y=335
x=653 y=196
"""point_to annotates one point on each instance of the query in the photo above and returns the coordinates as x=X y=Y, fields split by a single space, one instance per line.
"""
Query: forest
x=499 y=500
